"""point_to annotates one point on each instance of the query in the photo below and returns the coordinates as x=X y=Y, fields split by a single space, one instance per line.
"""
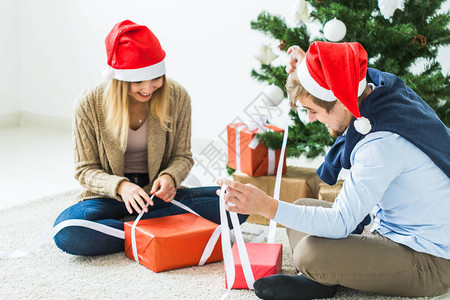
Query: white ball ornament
x=334 y=30
x=274 y=95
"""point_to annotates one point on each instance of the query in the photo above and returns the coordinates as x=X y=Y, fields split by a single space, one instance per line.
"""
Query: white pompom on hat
x=108 y=73
x=332 y=71
x=133 y=53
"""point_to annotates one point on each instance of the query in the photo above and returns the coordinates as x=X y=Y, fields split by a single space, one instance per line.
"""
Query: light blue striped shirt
x=395 y=181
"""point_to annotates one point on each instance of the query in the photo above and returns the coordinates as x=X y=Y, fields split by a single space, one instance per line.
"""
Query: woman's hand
x=164 y=188
x=134 y=197
x=296 y=56
x=248 y=199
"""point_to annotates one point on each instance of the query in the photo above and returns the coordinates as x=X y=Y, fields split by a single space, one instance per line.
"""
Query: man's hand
x=296 y=56
x=134 y=197
x=248 y=199
x=164 y=188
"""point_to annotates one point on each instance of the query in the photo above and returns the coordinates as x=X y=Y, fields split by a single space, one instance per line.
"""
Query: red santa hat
x=332 y=71
x=133 y=53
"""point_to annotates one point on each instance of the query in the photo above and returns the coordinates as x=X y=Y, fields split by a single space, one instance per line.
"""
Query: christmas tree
x=396 y=35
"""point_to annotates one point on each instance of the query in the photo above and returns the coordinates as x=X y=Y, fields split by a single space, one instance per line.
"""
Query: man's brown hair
x=296 y=90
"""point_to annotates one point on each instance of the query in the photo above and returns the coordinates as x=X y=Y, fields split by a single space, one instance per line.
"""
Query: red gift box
x=265 y=260
x=254 y=162
x=171 y=242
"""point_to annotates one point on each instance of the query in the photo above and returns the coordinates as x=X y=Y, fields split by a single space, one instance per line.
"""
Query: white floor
x=34 y=162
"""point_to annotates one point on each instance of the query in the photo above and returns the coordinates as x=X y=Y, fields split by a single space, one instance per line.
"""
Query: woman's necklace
x=139 y=112
x=142 y=116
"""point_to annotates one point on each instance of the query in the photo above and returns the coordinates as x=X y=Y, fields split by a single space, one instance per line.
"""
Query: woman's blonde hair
x=117 y=114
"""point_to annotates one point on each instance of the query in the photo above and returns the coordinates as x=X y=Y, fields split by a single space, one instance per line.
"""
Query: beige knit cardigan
x=99 y=159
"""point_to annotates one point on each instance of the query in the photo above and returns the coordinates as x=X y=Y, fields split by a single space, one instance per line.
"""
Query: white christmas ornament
x=265 y=55
x=334 y=30
x=388 y=7
x=301 y=12
x=274 y=95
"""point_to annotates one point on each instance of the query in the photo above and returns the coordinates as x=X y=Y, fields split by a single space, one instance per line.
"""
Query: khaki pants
x=370 y=263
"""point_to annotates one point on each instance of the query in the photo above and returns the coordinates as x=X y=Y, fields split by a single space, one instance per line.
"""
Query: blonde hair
x=117 y=114
x=296 y=90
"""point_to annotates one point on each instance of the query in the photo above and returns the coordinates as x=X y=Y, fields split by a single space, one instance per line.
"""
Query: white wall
x=9 y=63
x=209 y=46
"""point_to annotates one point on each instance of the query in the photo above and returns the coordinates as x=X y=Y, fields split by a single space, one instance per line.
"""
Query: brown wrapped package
x=328 y=192
x=295 y=184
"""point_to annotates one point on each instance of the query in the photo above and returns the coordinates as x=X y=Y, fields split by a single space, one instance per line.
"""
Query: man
x=398 y=153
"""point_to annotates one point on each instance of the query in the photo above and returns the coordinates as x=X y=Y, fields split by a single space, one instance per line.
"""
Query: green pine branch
x=272 y=75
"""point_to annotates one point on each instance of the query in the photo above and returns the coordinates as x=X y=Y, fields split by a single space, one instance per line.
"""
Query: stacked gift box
x=295 y=184
x=248 y=155
x=328 y=192
x=257 y=165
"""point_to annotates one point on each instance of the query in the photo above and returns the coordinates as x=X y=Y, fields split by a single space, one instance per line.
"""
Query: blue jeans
x=84 y=241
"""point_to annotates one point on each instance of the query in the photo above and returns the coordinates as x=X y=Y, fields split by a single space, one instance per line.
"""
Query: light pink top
x=136 y=159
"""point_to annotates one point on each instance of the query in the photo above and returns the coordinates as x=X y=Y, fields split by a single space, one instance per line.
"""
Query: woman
x=132 y=139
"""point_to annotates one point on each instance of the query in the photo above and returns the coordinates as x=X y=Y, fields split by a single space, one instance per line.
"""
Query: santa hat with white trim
x=331 y=71
x=133 y=53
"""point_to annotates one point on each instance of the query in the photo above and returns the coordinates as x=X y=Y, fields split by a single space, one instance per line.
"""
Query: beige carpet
x=49 y=273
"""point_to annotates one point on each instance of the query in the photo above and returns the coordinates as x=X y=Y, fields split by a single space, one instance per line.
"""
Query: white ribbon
x=109 y=231
x=226 y=246
x=228 y=260
x=277 y=188
x=261 y=129
x=46 y=236
x=243 y=255
x=271 y=163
